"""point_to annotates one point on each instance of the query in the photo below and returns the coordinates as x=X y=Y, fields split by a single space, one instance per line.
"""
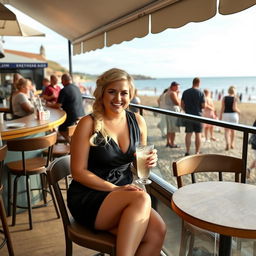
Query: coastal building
x=29 y=65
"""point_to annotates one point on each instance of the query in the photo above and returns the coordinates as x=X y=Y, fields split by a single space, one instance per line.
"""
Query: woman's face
x=116 y=96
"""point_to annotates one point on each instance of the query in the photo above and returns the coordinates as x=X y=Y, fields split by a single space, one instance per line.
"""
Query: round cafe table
x=227 y=208
x=31 y=125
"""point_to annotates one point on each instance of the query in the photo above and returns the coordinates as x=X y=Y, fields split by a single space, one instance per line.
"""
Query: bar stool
x=28 y=167
x=62 y=147
x=5 y=231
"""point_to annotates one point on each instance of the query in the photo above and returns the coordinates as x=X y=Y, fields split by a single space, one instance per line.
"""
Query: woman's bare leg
x=232 y=138
x=128 y=212
x=153 y=239
x=227 y=138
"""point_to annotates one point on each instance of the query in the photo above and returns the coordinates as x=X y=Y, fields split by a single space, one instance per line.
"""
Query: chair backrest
x=58 y=170
x=30 y=144
x=3 y=151
x=207 y=163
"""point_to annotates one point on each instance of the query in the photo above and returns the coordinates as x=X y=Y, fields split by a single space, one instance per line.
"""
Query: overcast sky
x=221 y=46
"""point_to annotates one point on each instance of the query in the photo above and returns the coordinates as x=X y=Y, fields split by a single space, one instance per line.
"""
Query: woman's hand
x=152 y=159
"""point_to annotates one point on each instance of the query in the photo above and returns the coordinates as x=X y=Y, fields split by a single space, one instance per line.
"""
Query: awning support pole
x=70 y=58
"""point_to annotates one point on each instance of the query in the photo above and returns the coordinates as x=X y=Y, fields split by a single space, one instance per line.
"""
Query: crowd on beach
x=194 y=101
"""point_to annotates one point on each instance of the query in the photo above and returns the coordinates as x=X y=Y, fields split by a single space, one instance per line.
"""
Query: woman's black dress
x=108 y=162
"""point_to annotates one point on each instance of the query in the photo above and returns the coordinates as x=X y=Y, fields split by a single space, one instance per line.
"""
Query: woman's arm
x=209 y=104
x=27 y=107
x=174 y=98
x=234 y=107
x=79 y=150
x=152 y=159
x=222 y=108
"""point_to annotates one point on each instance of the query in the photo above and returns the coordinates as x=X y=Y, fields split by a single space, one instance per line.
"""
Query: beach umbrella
x=10 y=26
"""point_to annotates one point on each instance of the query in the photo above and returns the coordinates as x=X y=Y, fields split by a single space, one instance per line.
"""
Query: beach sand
x=167 y=155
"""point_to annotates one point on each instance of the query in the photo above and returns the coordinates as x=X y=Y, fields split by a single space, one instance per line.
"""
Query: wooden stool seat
x=27 y=167
x=33 y=166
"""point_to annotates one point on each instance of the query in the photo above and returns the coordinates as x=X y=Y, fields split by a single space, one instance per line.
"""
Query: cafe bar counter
x=26 y=127
x=29 y=125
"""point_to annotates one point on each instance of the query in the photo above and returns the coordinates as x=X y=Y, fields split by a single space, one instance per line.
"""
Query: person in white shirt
x=21 y=106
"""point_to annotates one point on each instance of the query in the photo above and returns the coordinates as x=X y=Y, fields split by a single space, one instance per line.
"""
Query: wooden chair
x=101 y=241
x=187 y=168
x=27 y=167
x=5 y=231
x=62 y=148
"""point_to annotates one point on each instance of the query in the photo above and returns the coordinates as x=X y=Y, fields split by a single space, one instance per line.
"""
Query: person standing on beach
x=209 y=112
x=230 y=113
x=252 y=141
x=192 y=102
x=161 y=104
x=172 y=103
x=135 y=100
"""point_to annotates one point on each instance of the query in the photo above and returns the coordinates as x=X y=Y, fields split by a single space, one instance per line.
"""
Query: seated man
x=70 y=100
x=51 y=92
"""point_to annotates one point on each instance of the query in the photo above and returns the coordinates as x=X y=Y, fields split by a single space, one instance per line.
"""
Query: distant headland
x=84 y=76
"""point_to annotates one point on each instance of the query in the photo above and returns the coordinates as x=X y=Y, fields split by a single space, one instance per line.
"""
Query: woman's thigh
x=113 y=205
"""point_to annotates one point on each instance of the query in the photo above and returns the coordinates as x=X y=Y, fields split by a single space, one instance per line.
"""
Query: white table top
x=228 y=208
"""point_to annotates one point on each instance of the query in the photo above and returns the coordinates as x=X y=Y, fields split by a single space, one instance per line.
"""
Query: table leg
x=225 y=245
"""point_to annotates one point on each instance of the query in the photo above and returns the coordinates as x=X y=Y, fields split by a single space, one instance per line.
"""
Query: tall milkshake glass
x=142 y=153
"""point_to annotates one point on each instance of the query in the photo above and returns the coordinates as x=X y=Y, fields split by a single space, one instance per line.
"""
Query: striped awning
x=92 y=25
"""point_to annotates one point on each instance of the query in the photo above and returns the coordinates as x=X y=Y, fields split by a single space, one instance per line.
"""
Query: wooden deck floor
x=46 y=238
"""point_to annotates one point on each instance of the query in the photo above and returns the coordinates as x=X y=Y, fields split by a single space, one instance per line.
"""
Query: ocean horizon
x=245 y=85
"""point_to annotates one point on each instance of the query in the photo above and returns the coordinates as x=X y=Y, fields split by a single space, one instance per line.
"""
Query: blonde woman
x=101 y=195
x=21 y=106
x=230 y=113
x=209 y=112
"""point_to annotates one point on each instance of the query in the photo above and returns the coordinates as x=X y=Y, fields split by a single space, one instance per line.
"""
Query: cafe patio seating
x=28 y=167
x=100 y=241
x=62 y=148
x=5 y=231
x=187 y=168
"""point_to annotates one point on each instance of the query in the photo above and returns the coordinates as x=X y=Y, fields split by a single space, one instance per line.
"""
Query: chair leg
x=29 y=202
x=14 y=201
x=43 y=186
x=184 y=238
x=9 y=194
x=69 y=246
x=5 y=228
x=254 y=248
x=191 y=245
x=238 y=246
x=53 y=198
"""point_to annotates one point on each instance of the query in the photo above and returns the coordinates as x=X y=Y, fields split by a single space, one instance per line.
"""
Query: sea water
x=246 y=86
